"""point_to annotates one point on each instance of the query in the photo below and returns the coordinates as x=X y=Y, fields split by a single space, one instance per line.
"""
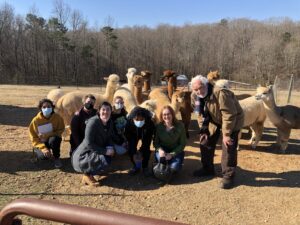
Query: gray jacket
x=90 y=157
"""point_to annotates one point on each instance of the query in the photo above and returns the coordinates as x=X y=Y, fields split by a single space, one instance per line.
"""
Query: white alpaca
x=254 y=114
x=71 y=102
x=55 y=94
x=284 y=118
x=130 y=73
x=254 y=117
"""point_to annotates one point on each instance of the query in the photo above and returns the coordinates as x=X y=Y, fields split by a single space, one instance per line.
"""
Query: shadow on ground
x=16 y=116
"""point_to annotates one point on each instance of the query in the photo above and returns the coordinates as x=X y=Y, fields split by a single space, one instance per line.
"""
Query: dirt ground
x=267 y=187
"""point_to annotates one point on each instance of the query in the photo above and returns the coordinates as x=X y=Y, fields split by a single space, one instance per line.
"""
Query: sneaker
x=226 y=183
x=133 y=171
x=57 y=163
x=203 y=173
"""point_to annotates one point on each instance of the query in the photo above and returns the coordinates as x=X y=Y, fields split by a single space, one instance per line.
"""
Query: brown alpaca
x=284 y=118
x=171 y=77
x=185 y=108
x=213 y=76
x=138 y=82
x=147 y=80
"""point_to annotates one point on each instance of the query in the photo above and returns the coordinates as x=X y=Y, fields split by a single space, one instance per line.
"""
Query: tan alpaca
x=284 y=118
x=162 y=100
x=71 y=102
x=55 y=94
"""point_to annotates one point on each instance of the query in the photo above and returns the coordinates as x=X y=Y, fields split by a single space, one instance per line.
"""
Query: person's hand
x=227 y=141
x=47 y=153
x=161 y=153
x=42 y=137
x=168 y=156
x=203 y=139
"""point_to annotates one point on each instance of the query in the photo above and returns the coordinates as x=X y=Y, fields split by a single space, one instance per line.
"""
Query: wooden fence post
x=290 y=88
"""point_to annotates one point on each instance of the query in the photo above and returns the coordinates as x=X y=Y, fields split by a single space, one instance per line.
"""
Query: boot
x=89 y=180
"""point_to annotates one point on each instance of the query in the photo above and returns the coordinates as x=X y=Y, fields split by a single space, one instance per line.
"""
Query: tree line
x=64 y=50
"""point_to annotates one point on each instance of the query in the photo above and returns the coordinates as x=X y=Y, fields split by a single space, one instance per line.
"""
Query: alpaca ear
x=105 y=78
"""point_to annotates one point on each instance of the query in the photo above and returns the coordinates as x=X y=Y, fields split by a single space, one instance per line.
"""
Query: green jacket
x=172 y=141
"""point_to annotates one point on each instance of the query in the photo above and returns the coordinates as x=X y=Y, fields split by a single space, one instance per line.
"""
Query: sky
x=174 y=12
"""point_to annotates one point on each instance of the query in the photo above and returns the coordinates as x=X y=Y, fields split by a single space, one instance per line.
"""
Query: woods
x=65 y=50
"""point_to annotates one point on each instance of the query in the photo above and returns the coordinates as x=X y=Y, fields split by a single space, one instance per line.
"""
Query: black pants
x=229 y=155
x=53 y=143
x=145 y=150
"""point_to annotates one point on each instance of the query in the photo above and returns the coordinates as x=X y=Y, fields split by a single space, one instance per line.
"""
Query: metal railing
x=71 y=214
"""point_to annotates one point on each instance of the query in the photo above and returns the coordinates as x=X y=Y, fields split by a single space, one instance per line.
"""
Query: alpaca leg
x=284 y=136
x=258 y=131
x=253 y=138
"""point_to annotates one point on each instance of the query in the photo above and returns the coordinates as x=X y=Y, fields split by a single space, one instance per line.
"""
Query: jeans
x=175 y=162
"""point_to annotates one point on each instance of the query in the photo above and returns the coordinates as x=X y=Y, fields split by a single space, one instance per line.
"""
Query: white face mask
x=47 y=111
x=139 y=124
x=119 y=106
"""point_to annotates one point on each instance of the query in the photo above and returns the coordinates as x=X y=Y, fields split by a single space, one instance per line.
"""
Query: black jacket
x=146 y=132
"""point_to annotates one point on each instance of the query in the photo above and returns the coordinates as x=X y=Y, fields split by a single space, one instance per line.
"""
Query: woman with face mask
x=45 y=132
x=139 y=127
x=118 y=116
x=94 y=153
x=79 y=120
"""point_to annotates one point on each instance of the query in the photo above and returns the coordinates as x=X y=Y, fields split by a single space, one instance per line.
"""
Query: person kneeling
x=169 y=143
x=94 y=154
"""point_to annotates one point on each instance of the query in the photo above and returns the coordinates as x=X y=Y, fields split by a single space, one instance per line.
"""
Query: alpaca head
x=167 y=74
x=178 y=97
x=213 y=76
x=264 y=93
x=112 y=81
x=130 y=73
x=146 y=74
x=138 y=81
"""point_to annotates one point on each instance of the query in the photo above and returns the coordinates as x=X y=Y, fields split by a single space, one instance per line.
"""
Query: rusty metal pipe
x=71 y=214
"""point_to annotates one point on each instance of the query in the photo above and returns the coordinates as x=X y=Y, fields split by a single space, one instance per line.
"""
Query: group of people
x=97 y=135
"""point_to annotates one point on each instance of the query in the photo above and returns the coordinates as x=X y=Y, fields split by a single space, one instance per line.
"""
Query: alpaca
x=138 y=82
x=162 y=99
x=171 y=77
x=185 y=108
x=147 y=80
x=254 y=117
x=130 y=73
x=284 y=118
x=213 y=76
x=55 y=94
x=71 y=102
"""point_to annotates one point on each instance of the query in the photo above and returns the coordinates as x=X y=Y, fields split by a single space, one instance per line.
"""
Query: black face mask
x=88 y=105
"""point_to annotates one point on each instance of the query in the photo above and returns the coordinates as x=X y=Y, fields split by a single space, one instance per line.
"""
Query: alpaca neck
x=147 y=85
x=130 y=85
x=109 y=93
x=137 y=92
x=170 y=89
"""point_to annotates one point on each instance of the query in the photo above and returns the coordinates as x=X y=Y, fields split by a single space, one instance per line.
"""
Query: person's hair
x=174 y=120
x=200 y=78
x=105 y=104
x=118 y=97
x=88 y=96
x=42 y=101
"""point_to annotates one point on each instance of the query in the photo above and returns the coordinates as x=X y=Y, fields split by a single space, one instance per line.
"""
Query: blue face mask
x=139 y=123
x=47 y=111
